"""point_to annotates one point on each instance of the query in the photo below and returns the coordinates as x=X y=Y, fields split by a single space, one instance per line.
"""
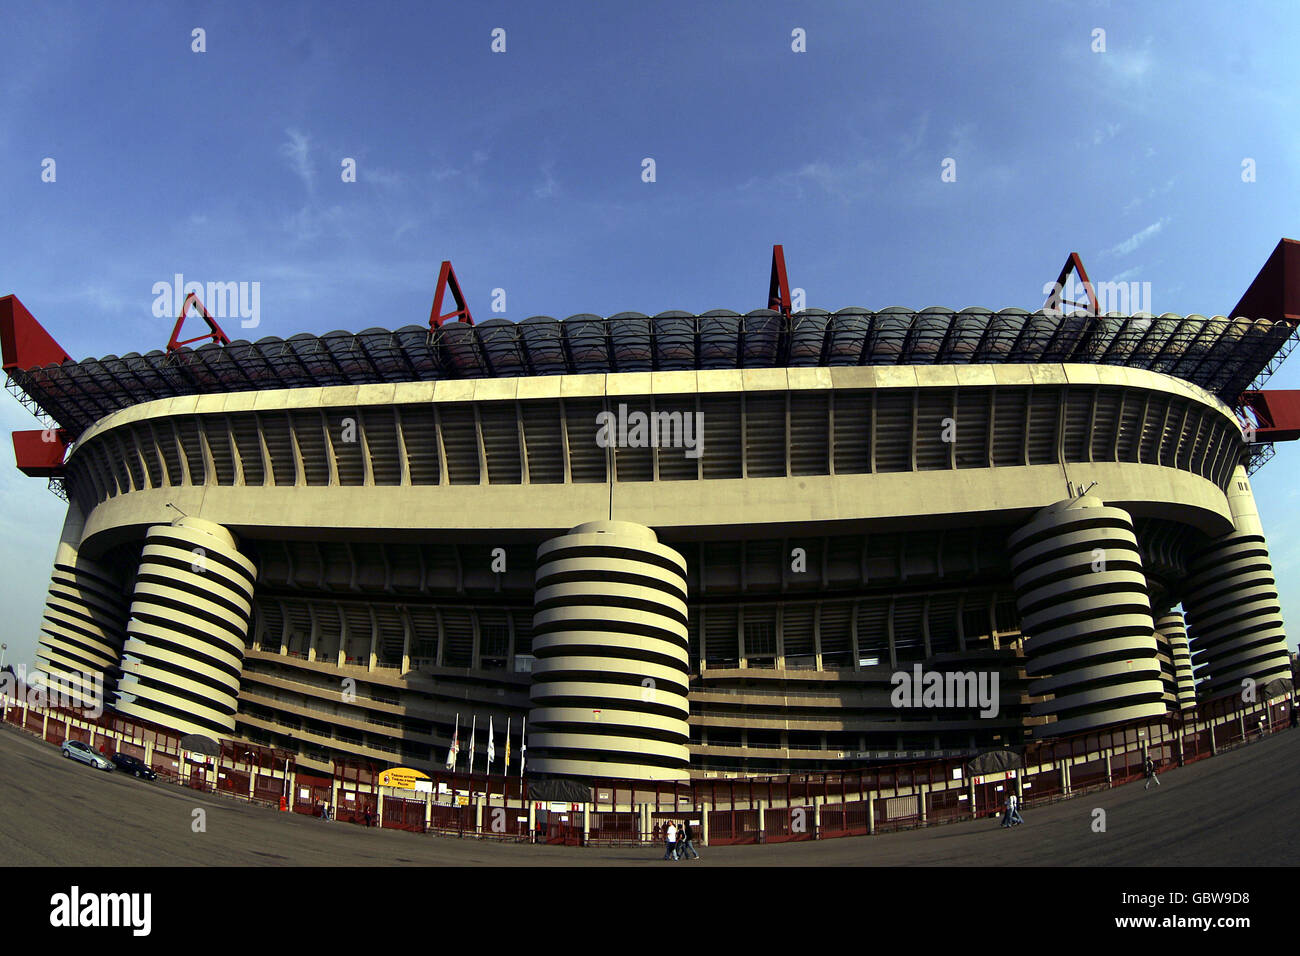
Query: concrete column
x=197 y=565
x=478 y=815
x=762 y=824
x=646 y=615
x=428 y=810
x=1109 y=779
x=1234 y=623
x=586 y=823
x=817 y=817
x=704 y=824
x=871 y=811
x=1079 y=583
x=921 y=793
x=379 y=809
x=1065 y=778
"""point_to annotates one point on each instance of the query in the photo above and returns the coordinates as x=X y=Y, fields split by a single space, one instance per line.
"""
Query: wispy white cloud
x=1139 y=238
x=297 y=150
x=549 y=186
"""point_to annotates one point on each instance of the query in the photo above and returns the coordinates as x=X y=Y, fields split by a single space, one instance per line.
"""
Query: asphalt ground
x=1237 y=809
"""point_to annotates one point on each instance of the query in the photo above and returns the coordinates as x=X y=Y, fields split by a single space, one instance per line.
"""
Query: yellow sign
x=401 y=777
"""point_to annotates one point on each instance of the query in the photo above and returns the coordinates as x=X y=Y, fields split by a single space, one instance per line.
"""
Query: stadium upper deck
x=1224 y=356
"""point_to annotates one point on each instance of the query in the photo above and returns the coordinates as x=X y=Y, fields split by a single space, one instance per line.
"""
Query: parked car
x=134 y=766
x=76 y=750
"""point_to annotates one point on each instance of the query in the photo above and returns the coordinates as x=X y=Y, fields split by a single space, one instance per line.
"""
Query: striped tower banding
x=184 y=652
x=1082 y=598
x=1172 y=628
x=1234 y=616
x=1168 y=674
x=84 y=624
x=610 y=636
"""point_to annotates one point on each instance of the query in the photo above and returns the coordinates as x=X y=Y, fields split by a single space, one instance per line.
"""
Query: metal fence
x=731 y=811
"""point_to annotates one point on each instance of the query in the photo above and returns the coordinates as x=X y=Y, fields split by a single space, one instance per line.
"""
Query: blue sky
x=525 y=169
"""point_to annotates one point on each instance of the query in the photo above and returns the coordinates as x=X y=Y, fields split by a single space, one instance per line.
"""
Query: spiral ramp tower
x=1082 y=598
x=190 y=612
x=609 y=691
x=84 y=625
x=1234 y=615
x=1173 y=629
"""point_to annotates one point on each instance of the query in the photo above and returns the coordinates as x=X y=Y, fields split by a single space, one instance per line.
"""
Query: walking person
x=670 y=842
x=1016 y=818
x=685 y=842
x=1007 y=810
x=1150 y=769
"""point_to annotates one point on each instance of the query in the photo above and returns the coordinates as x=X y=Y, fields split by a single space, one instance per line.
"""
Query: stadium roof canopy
x=1224 y=356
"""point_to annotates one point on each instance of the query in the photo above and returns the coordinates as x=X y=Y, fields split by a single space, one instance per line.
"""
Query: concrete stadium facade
x=687 y=545
x=831 y=534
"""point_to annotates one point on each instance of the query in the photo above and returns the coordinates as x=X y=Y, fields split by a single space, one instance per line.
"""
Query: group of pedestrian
x=1011 y=813
x=679 y=841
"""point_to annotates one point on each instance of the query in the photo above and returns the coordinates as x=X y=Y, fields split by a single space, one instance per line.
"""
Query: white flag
x=492 y=746
x=454 y=750
x=523 y=747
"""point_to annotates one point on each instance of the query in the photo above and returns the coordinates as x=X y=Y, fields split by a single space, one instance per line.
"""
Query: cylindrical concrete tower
x=610 y=637
x=84 y=624
x=184 y=653
x=1234 y=617
x=1171 y=627
x=1082 y=598
x=1168 y=674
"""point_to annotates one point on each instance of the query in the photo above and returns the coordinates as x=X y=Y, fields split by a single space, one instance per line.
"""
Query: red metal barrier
x=165 y=764
x=130 y=749
x=449 y=819
x=318 y=789
x=78 y=733
x=733 y=827
x=841 y=820
x=268 y=788
x=609 y=827
x=55 y=730
x=232 y=781
x=942 y=806
x=403 y=814
x=355 y=810
x=898 y=813
x=1089 y=774
x=785 y=825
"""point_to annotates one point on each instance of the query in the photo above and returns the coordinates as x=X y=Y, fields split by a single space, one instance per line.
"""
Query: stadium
x=677 y=546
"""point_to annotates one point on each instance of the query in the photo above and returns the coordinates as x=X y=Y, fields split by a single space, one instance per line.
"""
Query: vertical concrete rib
x=190 y=613
x=1174 y=630
x=610 y=637
x=1082 y=598
x=1234 y=616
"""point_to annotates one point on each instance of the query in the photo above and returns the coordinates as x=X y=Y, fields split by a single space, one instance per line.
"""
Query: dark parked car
x=133 y=765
